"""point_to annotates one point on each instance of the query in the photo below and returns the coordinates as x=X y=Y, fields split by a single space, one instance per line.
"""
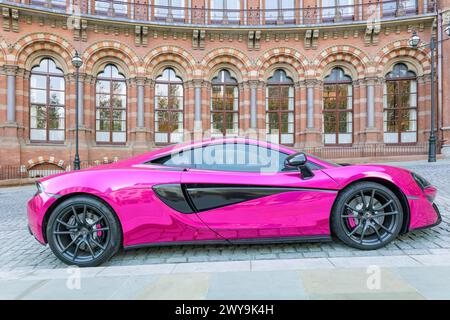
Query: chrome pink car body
x=304 y=212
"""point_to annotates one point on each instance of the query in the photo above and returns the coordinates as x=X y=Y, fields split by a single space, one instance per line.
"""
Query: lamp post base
x=76 y=163
x=432 y=149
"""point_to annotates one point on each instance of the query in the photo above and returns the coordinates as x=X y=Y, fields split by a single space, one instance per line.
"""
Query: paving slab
x=192 y=286
x=432 y=282
x=256 y=285
x=356 y=284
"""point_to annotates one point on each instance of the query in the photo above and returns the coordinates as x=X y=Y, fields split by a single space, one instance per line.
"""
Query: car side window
x=181 y=159
x=238 y=157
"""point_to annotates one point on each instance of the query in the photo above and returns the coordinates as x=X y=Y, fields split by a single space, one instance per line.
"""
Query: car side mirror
x=299 y=161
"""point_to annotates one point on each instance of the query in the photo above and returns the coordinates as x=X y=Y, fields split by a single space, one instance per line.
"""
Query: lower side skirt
x=320 y=238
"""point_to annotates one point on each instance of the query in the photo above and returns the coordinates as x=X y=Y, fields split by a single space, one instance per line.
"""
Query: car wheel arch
x=65 y=197
x=391 y=186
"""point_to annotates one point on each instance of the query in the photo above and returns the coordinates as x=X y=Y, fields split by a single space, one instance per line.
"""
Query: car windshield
x=331 y=163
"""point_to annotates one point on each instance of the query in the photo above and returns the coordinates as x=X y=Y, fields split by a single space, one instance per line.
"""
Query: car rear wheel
x=83 y=231
x=367 y=216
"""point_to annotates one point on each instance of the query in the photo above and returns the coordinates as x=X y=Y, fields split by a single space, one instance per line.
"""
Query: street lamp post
x=77 y=63
x=414 y=42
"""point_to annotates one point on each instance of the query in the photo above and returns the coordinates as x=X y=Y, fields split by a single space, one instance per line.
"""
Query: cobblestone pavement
x=19 y=250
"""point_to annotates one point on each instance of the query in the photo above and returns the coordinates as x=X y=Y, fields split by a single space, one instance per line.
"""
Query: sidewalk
x=393 y=277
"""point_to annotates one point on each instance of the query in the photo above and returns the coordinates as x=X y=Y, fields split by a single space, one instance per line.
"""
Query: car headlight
x=39 y=187
x=421 y=181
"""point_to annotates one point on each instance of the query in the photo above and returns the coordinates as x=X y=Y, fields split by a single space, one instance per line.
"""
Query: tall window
x=224 y=105
x=47 y=98
x=55 y=4
x=399 y=7
x=169 y=8
x=280 y=108
x=337 y=108
x=400 y=105
x=111 y=103
x=279 y=10
x=332 y=9
x=115 y=8
x=169 y=101
x=225 y=10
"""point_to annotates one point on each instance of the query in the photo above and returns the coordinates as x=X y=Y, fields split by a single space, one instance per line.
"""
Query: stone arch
x=349 y=55
x=163 y=57
x=399 y=51
x=226 y=58
x=110 y=51
x=234 y=71
x=45 y=159
x=36 y=45
x=285 y=58
x=348 y=68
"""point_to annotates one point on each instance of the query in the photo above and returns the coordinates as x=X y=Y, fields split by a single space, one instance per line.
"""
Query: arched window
x=173 y=9
x=224 y=105
x=169 y=104
x=400 y=105
x=279 y=11
x=337 y=108
x=111 y=106
x=47 y=102
x=225 y=10
x=280 y=108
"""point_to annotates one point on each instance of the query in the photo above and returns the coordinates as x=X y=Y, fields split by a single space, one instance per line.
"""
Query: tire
x=370 y=228
x=86 y=239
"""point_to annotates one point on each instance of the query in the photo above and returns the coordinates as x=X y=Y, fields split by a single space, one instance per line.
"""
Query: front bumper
x=424 y=214
x=36 y=210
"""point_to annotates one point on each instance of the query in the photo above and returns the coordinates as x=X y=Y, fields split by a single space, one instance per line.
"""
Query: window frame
x=337 y=111
x=111 y=109
x=386 y=12
x=168 y=110
x=170 y=8
x=280 y=12
x=48 y=75
x=337 y=5
x=225 y=12
x=223 y=111
x=279 y=112
x=397 y=98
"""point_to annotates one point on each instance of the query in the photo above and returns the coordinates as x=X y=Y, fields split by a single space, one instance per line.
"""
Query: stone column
x=197 y=105
x=372 y=131
x=313 y=134
x=81 y=101
x=370 y=104
x=310 y=106
x=142 y=141
x=140 y=105
x=253 y=98
x=11 y=95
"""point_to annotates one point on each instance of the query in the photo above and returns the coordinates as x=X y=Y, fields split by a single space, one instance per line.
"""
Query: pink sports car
x=232 y=190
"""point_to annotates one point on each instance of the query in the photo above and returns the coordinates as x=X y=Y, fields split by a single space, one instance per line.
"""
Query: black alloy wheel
x=367 y=215
x=83 y=231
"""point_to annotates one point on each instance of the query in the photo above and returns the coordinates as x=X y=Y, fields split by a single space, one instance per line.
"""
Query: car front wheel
x=83 y=231
x=367 y=216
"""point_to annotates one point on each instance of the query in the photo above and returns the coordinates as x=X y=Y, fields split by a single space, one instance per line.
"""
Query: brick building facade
x=307 y=73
